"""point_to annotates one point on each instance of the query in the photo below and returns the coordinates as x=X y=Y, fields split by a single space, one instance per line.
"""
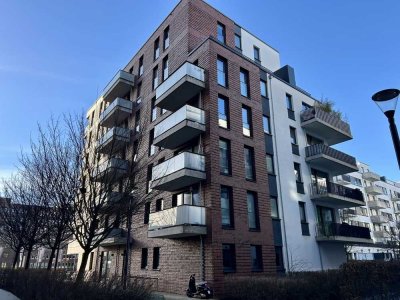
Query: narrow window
x=152 y=148
x=256 y=54
x=159 y=204
x=91 y=261
x=143 y=264
x=244 y=83
x=149 y=177
x=137 y=121
x=297 y=172
x=303 y=219
x=252 y=211
x=138 y=91
x=224 y=157
x=146 y=213
x=223 y=112
x=140 y=71
x=256 y=258
x=221 y=34
x=165 y=68
x=222 y=78
x=249 y=163
x=156 y=48
x=266 y=125
x=156 y=258
x=270 y=164
x=166 y=38
x=274 y=208
x=246 y=121
x=238 y=41
x=153 y=109
x=228 y=258
x=155 y=77
x=226 y=207
x=263 y=88
x=289 y=105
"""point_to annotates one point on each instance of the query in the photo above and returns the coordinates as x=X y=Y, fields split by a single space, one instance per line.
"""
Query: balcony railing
x=114 y=139
x=373 y=190
x=379 y=219
x=117 y=236
x=119 y=86
x=326 y=125
x=180 y=221
x=180 y=171
x=336 y=195
x=180 y=87
x=335 y=161
x=381 y=234
x=376 y=204
x=118 y=111
x=111 y=170
x=332 y=230
x=371 y=176
x=180 y=127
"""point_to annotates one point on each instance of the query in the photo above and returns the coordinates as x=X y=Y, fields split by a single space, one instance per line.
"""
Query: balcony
x=335 y=195
x=376 y=204
x=118 y=111
x=381 y=234
x=182 y=85
x=116 y=237
x=396 y=197
x=343 y=179
x=327 y=158
x=379 y=219
x=178 y=172
x=349 y=212
x=111 y=170
x=325 y=125
x=114 y=140
x=180 y=127
x=343 y=233
x=178 y=222
x=119 y=86
x=371 y=176
x=373 y=190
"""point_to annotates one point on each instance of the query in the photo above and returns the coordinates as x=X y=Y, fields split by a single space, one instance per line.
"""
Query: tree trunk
x=53 y=250
x=28 y=257
x=82 y=267
x=16 y=257
x=56 y=262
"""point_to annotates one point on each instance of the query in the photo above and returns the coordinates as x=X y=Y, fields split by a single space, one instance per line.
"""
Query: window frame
x=224 y=63
x=144 y=259
x=239 y=39
x=254 y=213
x=256 y=54
x=229 y=192
x=249 y=123
x=244 y=79
x=165 y=68
x=228 y=156
x=156 y=258
x=166 y=38
x=251 y=164
x=256 y=258
x=225 y=101
x=156 y=53
x=221 y=36
x=229 y=249
x=263 y=83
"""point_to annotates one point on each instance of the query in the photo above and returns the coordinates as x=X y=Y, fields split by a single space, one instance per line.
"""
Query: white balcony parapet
x=371 y=176
x=111 y=170
x=119 y=85
x=116 y=112
x=373 y=190
x=113 y=140
x=379 y=219
x=180 y=86
x=376 y=204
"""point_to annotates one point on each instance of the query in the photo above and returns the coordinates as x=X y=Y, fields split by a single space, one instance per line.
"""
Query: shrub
x=44 y=285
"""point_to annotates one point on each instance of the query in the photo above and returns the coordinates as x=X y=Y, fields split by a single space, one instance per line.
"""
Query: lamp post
x=387 y=102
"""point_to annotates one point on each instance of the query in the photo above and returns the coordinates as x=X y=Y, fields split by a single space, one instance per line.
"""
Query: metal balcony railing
x=323 y=188
x=336 y=229
x=329 y=118
x=319 y=149
x=116 y=112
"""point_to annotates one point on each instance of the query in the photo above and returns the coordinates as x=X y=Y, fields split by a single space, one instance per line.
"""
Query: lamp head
x=387 y=101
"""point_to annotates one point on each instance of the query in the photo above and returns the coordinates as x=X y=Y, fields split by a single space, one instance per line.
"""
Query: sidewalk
x=4 y=295
x=168 y=296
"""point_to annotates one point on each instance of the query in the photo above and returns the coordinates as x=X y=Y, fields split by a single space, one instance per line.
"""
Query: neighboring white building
x=380 y=213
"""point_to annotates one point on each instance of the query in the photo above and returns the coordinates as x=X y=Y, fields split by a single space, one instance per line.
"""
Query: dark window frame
x=229 y=161
x=256 y=211
x=156 y=258
x=144 y=258
x=228 y=190
x=224 y=71
x=225 y=100
x=229 y=258
x=244 y=74
x=249 y=122
x=256 y=258
x=249 y=153
x=257 y=54
x=221 y=36
x=166 y=38
x=156 y=53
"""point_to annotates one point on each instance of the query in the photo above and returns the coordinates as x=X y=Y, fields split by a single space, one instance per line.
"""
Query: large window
x=249 y=163
x=156 y=258
x=246 y=121
x=224 y=157
x=244 y=83
x=165 y=66
x=226 y=207
x=155 y=77
x=252 y=211
x=229 y=258
x=222 y=71
x=256 y=258
x=143 y=264
x=263 y=88
x=266 y=125
x=166 y=38
x=156 y=48
x=221 y=34
x=223 y=112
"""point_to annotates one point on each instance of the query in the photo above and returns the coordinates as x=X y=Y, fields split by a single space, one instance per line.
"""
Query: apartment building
x=241 y=158
x=379 y=214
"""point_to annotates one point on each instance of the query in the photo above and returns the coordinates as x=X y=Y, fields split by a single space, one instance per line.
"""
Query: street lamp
x=387 y=102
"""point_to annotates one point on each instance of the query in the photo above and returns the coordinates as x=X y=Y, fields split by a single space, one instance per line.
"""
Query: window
x=274 y=207
x=224 y=157
x=256 y=51
x=146 y=213
x=270 y=164
x=297 y=172
x=143 y=264
x=155 y=77
x=279 y=258
x=159 y=204
x=138 y=91
x=90 y=260
x=252 y=211
x=303 y=219
x=156 y=48
x=226 y=207
x=137 y=121
x=228 y=258
x=246 y=121
x=222 y=74
x=305 y=106
x=266 y=125
x=153 y=110
x=244 y=83
x=238 y=41
x=256 y=258
x=166 y=38
x=149 y=177
x=165 y=68
x=289 y=105
x=190 y=196
x=293 y=138
x=263 y=88
x=152 y=148
x=140 y=72
x=156 y=258
x=221 y=35
x=223 y=112
x=249 y=163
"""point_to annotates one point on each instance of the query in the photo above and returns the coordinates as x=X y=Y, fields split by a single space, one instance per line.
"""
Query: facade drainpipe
x=280 y=203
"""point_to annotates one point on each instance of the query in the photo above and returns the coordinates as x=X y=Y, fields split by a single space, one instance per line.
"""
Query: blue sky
x=56 y=56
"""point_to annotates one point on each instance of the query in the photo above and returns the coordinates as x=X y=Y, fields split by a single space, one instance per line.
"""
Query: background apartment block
x=242 y=156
